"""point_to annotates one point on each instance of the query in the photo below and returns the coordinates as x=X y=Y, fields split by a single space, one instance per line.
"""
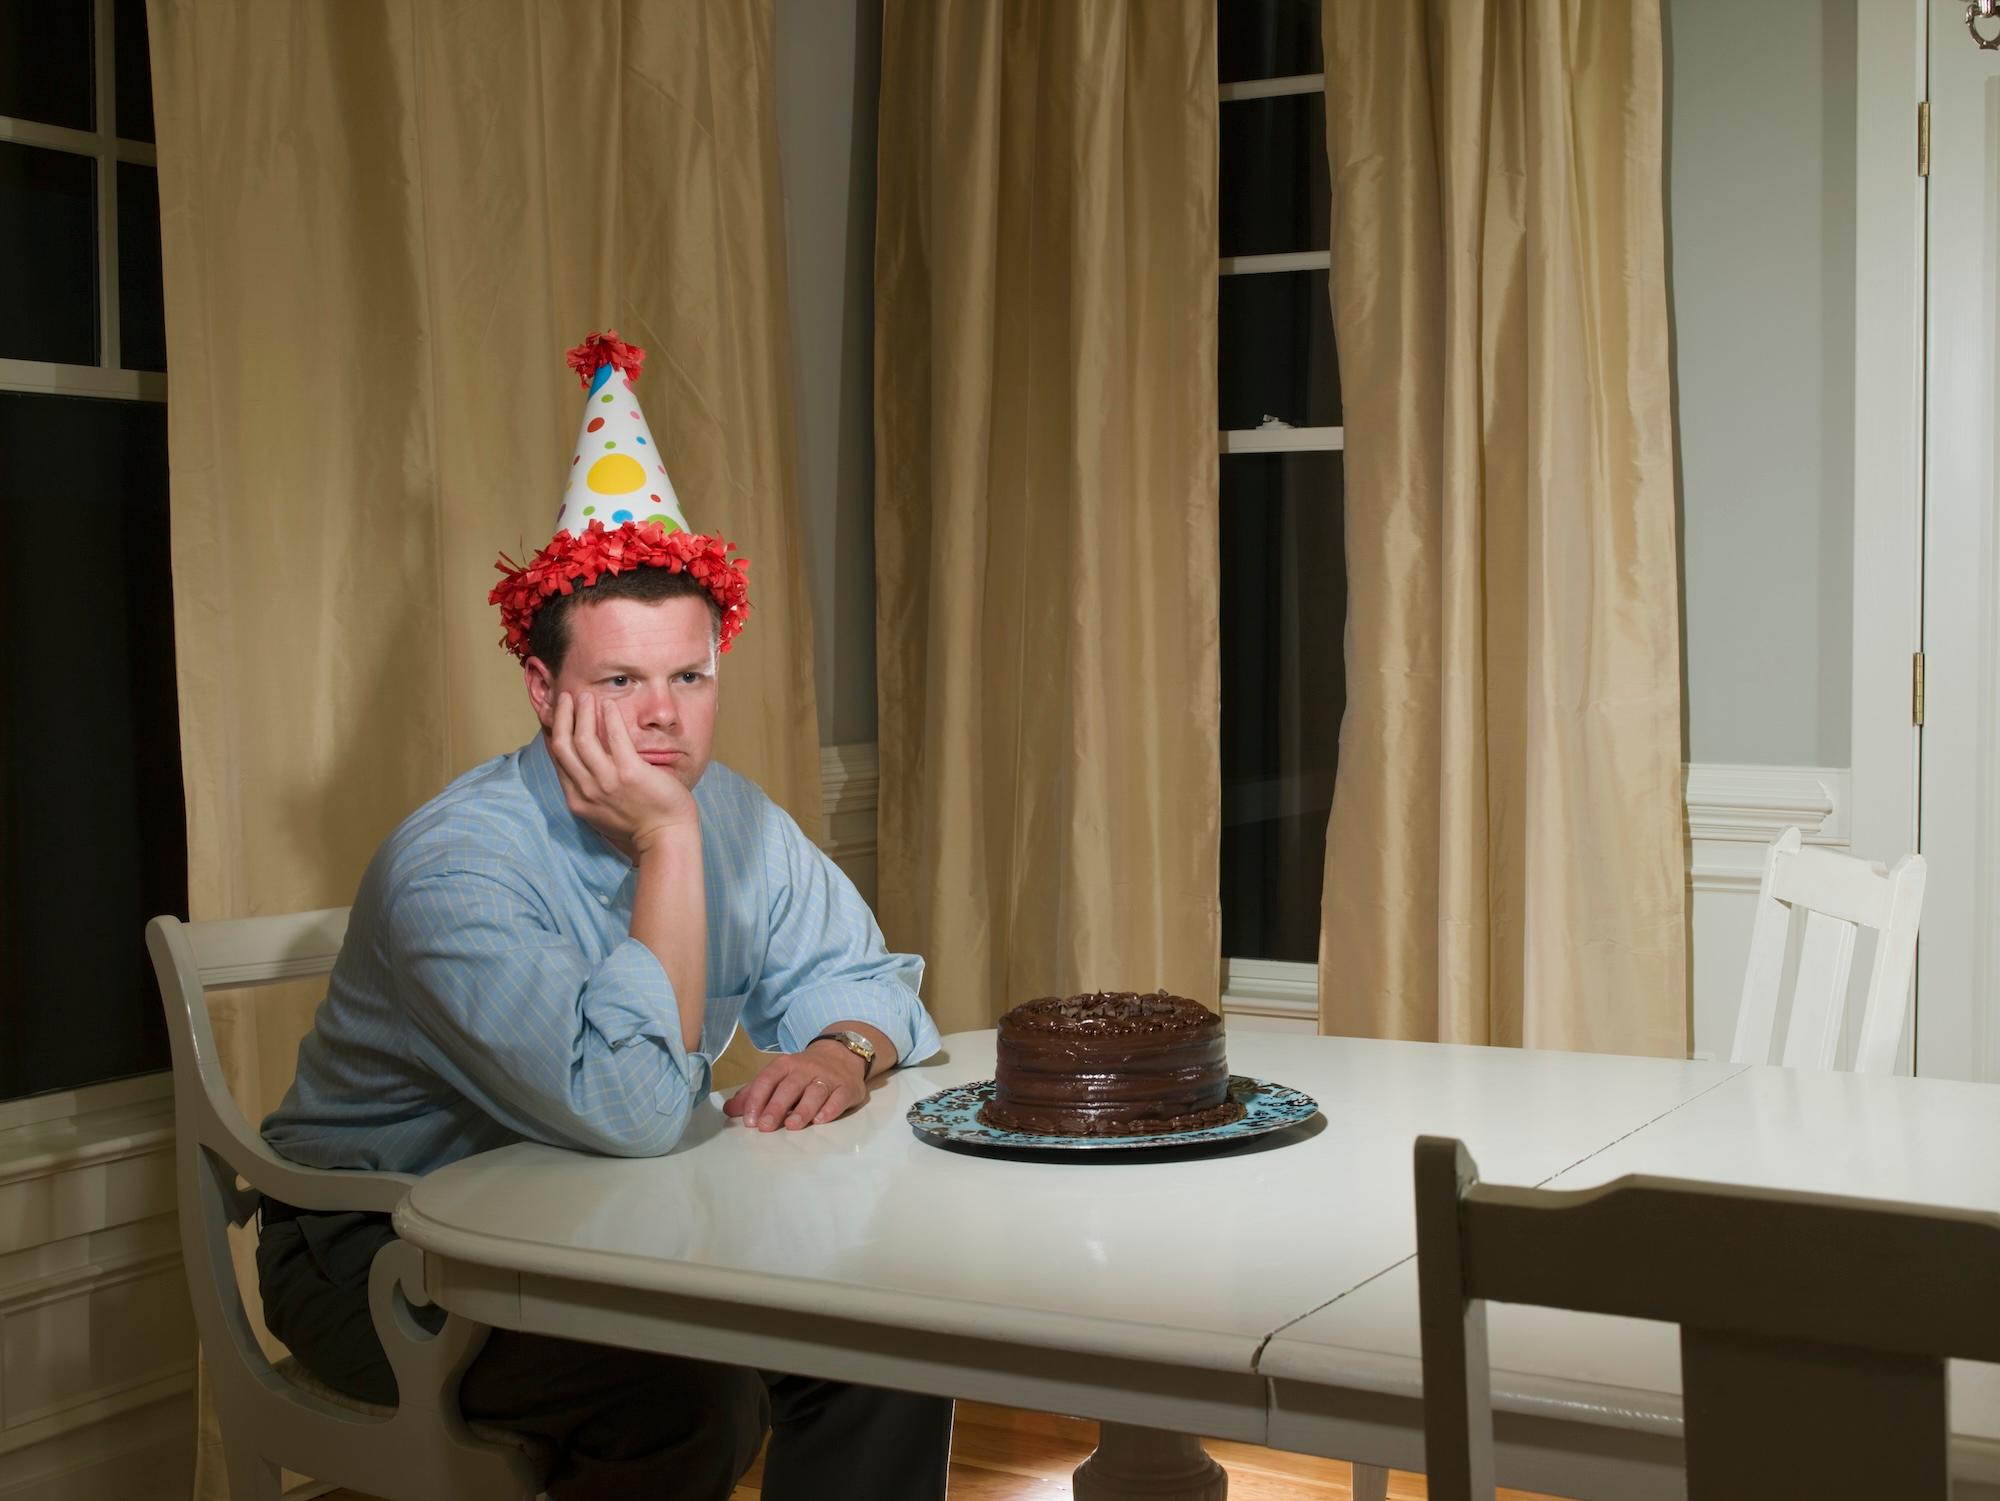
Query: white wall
x=829 y=62
x=1761 y=250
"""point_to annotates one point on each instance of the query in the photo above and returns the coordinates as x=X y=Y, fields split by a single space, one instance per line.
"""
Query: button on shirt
x=489 y=989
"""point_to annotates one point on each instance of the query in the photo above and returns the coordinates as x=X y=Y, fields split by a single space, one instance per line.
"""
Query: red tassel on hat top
x=599 y=350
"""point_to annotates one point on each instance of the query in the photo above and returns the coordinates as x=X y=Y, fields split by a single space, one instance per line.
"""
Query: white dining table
x=1258 y=1293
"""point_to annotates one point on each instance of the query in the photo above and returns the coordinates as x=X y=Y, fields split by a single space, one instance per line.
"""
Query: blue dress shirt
x=489 y=990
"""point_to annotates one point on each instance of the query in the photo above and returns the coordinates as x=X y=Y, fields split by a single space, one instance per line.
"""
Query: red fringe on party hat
x=570 y=563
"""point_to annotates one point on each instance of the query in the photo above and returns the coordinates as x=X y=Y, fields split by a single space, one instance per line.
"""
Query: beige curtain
x=1504 y=858
x=383 y=225
x=1046 y=497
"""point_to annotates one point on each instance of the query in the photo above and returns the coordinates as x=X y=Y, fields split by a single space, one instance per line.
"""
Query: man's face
x=652 y=664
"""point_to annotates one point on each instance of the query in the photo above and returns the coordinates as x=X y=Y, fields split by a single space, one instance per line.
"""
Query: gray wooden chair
x=277 y=1417
x=1814 y=1329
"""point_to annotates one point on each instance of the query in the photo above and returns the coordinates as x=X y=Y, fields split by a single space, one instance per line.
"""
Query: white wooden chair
x=1840 y=894
x=1817 y=1375
x=276 y=1416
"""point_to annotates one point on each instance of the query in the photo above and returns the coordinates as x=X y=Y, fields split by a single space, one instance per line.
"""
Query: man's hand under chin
x=810 y=1088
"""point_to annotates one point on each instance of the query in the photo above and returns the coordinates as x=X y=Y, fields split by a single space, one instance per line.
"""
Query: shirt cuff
x=889 y=1005
x=630 y=999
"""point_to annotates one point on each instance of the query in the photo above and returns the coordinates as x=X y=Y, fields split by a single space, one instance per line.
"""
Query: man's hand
x=608 y=784
x=801 y=1089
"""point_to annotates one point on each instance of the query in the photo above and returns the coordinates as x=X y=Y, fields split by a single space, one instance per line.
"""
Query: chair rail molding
x=850 y=784
x=1734 y=811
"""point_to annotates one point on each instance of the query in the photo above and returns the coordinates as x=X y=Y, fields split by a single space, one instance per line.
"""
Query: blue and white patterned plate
x=952 y=1115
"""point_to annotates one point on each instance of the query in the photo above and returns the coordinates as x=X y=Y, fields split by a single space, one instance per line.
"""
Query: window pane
x=1284 y=685
x=134 y=69
x=1276 y=356
x=142 y=320
x=91 y=809
x=1275 y=193
x=1267 y=38
x=45 y=67
x=48 y=245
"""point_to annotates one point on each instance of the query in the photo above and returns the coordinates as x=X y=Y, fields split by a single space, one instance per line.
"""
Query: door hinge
x=1917 y=688
x=1924 y=138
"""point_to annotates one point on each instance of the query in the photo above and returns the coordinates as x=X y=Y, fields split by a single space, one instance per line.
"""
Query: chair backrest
x=1782 y=1351
x=1840 y=894
x=424 y=1450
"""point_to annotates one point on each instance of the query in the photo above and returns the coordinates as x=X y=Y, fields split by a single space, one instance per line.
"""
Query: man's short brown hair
x=548 y=636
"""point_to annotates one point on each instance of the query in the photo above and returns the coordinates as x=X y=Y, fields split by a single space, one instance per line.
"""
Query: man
x=555 y=949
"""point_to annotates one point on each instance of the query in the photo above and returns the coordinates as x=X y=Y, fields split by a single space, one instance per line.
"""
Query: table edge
x=1195 y=1349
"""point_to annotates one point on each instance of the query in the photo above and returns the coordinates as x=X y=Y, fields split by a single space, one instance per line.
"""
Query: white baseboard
x=139 y=1447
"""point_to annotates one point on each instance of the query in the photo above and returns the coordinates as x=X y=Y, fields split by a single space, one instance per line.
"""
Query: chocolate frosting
x=1110 y=1063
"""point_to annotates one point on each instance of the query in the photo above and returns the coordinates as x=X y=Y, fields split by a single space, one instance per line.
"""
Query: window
x=1283 y=569
x=91 y=811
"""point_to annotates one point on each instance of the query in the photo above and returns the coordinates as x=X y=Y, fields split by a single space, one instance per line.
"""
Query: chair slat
x=1757 y=1011
x=1820 y=994
x=1888 y=1001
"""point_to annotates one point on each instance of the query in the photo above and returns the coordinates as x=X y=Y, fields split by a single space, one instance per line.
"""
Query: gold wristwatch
x=856 y=1044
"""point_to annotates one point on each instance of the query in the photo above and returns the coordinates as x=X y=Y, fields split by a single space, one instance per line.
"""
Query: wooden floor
x=998 y=1454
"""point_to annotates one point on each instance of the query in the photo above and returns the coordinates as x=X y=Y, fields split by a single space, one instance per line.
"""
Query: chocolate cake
x=1110 y=1064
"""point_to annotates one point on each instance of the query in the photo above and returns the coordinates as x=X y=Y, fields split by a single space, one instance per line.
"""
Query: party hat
x=619 y=510
x=617 y=474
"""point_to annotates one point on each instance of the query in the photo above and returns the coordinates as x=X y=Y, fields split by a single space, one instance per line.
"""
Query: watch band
x=856 y=1044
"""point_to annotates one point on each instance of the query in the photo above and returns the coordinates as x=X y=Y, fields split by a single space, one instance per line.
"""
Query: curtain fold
x=383 y=224
x=1505 y=854
x=1046 y=498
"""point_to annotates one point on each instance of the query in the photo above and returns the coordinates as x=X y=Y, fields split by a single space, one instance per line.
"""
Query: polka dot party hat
x=616 y=474
x=619 y=509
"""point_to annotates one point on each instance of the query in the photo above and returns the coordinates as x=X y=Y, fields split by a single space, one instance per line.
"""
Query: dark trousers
x=621 y=1424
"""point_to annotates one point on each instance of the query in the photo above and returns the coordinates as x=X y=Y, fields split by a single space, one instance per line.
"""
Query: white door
x=1958 y=1000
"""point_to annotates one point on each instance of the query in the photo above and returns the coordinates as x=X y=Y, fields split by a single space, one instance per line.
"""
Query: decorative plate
x=952 y=1115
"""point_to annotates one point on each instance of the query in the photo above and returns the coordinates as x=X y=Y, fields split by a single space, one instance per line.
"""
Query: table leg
x=1371 y=1483
x=1148 y=1462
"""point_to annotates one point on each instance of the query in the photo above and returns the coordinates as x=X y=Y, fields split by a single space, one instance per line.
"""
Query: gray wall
x=829 y=61
x=1761 y=251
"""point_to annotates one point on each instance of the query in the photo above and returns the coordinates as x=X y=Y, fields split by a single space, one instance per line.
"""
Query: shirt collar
x=600 y=863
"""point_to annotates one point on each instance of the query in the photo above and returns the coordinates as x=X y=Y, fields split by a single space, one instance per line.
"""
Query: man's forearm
x=670 y=917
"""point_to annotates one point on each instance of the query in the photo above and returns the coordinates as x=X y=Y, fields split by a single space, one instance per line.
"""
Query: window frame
x=1276 y=989
x=104 y=380
x=107 y=148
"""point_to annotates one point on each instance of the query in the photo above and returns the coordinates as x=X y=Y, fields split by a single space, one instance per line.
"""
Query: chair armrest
x=331 y=1190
